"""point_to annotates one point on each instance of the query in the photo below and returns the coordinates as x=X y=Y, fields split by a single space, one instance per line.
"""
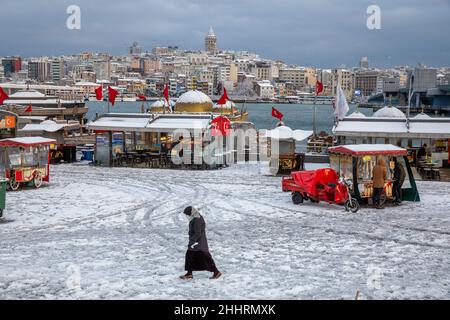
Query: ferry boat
x=319 y=143
x=319 y=100
x=128 y=97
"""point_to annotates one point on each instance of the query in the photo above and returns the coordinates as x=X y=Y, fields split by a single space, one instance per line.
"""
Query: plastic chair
x=436 y=174
x=427 y=172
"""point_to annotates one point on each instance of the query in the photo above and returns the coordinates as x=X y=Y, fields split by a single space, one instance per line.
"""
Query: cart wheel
x=297 y=198
x=37 y=180
x=352 y=205
x=1 y=213
x=13 y=184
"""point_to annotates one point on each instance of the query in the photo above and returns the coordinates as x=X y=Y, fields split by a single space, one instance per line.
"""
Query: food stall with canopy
x=285 y=159
x=25 y=160
x=356 y=162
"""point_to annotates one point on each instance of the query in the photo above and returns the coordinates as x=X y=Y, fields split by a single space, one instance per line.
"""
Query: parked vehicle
x=320 y=185
x=26 y=160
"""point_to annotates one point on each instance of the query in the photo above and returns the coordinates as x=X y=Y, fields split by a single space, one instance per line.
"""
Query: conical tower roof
x=211 y=33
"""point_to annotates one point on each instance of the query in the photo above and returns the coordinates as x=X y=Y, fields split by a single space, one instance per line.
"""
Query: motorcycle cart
x=320 y=185
x=26 y=160
x=356 y=162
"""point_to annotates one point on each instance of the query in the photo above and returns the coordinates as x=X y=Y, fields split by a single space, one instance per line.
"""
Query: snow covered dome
x=194 y=101
x=422 y=116
x=389 y=112
x=357 y=114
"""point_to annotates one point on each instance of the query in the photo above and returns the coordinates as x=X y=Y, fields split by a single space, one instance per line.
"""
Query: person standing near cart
x=198 y=257
x=379 y=175
x=399 y=178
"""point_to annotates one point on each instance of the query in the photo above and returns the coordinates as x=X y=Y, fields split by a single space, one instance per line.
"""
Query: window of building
x=416 y=143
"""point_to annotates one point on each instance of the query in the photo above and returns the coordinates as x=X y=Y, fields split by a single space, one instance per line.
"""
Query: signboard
x=8 y=122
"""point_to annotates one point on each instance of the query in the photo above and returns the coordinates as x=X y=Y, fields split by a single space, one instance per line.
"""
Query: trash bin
x=88 y=155
x=2 y=195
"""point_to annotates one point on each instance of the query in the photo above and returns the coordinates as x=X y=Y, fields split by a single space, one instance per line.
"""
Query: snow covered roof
x=172 y=123
x=26 y=141
x=194 y=96
x=27 y=94
x=119 y=123
x=161 y=103
x=86 y=83
x=422 y=116
x=369 y=149
x=389 y=112
x=285 y=133
x=50 y=101
x=264 y=84
x=357 y=114
x=39 y=118
x=433 y=128
x=149 y=122
x=47 y=125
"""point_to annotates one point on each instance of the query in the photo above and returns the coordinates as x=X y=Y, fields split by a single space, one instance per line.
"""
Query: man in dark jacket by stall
x=198 y=257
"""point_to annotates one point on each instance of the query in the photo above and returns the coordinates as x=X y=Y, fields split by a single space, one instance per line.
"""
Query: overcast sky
x=322 y=33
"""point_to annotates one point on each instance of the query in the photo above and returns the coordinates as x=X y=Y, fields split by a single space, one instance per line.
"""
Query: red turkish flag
x=3 y=96
x=166 y=93
x=112 y=94
x=99 y=93
x=224 y=98
x=142 y=97
x=277 y=114
x=29 y=108
x=319 y=88
x=221 y=125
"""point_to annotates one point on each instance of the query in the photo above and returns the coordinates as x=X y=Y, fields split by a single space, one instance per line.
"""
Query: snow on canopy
x=389 y=112
x=357 y=114
x=194 y=96
x=373 y=149
x=26 y=141
x=47 y=125
x=161 y=103
x=284 y=133
x=422 y=116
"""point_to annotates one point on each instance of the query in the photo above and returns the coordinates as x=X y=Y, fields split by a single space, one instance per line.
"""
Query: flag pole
x=314 y=115
x=165 y=100
x=336 y=102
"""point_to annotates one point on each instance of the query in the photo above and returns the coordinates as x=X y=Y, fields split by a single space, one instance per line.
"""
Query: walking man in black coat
x=198 y=257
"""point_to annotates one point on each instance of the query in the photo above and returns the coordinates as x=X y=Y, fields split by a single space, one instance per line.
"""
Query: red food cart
x=26 y=160
x=356 y=162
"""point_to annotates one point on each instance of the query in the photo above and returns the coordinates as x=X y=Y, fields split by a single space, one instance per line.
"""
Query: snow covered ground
x=119 y=233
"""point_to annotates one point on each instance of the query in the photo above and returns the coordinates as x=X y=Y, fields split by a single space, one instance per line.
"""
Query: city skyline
x=297 y=33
